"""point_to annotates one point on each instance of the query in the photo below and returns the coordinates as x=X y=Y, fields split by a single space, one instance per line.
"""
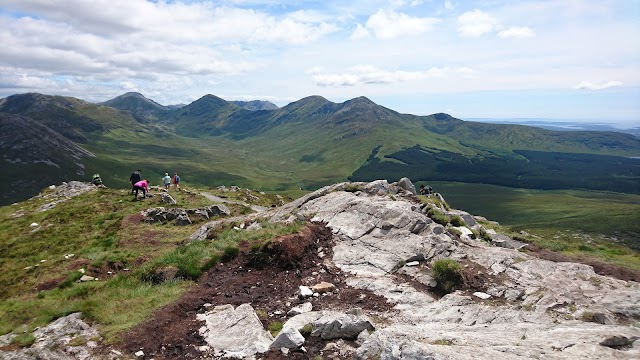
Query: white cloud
x=368 y=74
x=586 y=85
x=359 y=33
x=517 y=32
x=128 y=86
x=386 y=24
x=448 y=5
x=475 y=23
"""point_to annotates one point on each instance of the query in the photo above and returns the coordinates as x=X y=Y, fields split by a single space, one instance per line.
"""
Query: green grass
x=446 y=272
x=102 y=228
x=600 y=225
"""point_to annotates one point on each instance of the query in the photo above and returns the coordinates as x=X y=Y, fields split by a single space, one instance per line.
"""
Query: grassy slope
x=101 y=229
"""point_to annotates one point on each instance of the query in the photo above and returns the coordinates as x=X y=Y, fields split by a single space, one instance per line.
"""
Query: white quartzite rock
x=52 y=341
x=300 y=309
x=234 y=333
x=376 y=232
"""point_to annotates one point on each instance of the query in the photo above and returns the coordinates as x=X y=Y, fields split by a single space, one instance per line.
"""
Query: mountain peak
x=361 y=100
x=132 y=101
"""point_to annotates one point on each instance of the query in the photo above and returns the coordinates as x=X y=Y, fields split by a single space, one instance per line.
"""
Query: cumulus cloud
x=586 y=85
x=385 y=24
x=517 y=32
x=359 y=33
x=138 y=39
x=368 y=74
x=475 y=23
x=448 y=5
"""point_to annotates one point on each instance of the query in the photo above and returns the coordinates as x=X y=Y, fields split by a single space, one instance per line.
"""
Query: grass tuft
x=446 y=272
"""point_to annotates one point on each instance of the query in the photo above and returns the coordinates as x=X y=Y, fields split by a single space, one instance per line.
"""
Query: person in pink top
x=141 y=185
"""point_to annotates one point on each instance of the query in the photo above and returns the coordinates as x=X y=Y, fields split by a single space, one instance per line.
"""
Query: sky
x=554 y=59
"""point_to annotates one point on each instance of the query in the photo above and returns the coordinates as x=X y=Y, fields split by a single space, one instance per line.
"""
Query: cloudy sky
x=560 y=59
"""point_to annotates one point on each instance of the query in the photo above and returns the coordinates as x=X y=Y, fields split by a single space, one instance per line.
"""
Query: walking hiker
x=134 y=178
x=176 y=181
x=167 y=181
x=141 y=185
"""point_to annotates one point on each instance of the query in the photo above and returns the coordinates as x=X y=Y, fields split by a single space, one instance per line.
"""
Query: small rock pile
x=182 y=217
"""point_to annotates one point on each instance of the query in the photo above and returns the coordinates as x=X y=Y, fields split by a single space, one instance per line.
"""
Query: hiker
x=176 y=181
x=167 y=181
x=97 y=181
x=141 y=185
x=134 y=178
x=428 y=190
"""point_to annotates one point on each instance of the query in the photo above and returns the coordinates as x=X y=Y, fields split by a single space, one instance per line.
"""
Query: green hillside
x=314 y=142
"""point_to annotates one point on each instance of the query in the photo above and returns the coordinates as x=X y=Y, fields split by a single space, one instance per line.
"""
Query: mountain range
x=303 y=145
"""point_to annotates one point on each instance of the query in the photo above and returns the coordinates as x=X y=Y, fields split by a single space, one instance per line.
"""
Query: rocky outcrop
x=68 y=337
x=184 y=216
x=536 y=307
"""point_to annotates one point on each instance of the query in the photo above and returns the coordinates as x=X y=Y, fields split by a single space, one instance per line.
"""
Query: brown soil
x=268 y=281
x=599 y=267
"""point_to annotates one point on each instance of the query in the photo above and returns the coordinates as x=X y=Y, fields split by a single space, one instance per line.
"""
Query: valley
x=491 y=169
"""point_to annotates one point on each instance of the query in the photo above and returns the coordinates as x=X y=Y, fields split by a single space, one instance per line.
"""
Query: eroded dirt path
x=270 y=284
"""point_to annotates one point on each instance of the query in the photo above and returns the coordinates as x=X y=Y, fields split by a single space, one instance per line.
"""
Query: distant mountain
x=73 y=118
x=313 y=142
x=31 y=153
x=256 y=105
x=563 y=125
x=175 y=107
x=141 y=108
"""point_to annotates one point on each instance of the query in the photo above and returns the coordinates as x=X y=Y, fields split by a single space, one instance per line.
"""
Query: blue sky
x=558 y=59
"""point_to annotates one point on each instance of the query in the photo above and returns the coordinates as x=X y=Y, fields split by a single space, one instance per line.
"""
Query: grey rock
x=468 y=219
x=618 y=341
x=407 y=185
x=288 y=338
x=52 y=341
x=378 y=187
x=182 y=220
x=603 y=319
x=373 y=234
x=168 y=199
x=235 y=333
x=217 y=210
x=300 y=309
x=342 y=326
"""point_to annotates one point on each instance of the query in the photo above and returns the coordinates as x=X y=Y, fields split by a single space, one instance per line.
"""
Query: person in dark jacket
x=134 y=178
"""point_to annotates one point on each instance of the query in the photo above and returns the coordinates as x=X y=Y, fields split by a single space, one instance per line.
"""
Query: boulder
x=300 y=309
x=217 y=210
x=378 y=187
x=340 y=326
x=407 y=185
x=168 y=199
x=182 y=220
x=235 y=333
x=52 y=341
x=288 y=338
